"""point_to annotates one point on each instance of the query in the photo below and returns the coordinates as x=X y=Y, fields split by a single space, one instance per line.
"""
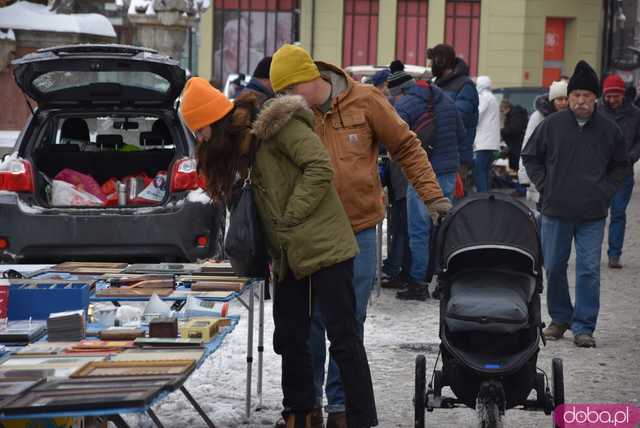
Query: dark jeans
x=399 y=258
x=483 y=159
x=618 y=219
x=332 y=290
x=557 y=237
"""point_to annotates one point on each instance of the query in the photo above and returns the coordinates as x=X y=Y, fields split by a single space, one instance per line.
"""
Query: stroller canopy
x=488 y=221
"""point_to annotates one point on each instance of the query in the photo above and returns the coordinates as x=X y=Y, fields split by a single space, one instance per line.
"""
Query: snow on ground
x=24 y=15
x=397 y=331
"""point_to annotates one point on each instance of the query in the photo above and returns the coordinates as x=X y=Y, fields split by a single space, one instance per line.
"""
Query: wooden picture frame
x=35 y=402
x=178 y=342
x=135 y=368
x=172 y=382
x=108 y=384
x=13 y=387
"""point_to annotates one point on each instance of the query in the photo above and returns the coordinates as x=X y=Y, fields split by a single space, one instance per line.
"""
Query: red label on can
x=4 y=299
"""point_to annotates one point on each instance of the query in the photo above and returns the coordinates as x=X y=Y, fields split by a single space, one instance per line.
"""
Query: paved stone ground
x=397 y=331
x=608 y=373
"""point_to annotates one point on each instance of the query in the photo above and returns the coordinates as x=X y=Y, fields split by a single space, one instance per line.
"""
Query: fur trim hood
x=277 y=112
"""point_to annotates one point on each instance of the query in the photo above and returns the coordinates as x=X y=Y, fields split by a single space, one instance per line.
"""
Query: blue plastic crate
x=37 y=301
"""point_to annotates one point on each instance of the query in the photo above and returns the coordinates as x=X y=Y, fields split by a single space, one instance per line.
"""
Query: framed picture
x=179 y=342
x=44 y=348
x=66 y=400
x=135 y=368
x=89 y=267
x=153 y=354
x=166 y=381
x=108 y=384
x=10 y=388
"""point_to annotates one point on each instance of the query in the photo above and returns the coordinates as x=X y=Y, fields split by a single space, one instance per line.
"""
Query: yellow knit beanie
x=291 y=65
x=201 y=104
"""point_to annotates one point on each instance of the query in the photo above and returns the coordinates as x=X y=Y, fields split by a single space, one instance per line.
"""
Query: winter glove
x=438 y=207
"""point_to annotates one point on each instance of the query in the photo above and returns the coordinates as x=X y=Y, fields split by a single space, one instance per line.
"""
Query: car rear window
x=59 y=80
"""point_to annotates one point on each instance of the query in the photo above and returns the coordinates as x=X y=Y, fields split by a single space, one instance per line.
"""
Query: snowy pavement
x=397 y=331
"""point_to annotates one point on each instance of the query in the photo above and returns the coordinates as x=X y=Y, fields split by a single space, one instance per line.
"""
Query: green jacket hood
x=277 y=112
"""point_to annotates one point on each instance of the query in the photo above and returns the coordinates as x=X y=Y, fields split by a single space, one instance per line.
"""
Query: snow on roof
x=24 y=15
x=7 y=35
x=137 y=7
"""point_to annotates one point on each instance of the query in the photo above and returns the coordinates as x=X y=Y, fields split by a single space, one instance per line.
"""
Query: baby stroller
x=489 y=267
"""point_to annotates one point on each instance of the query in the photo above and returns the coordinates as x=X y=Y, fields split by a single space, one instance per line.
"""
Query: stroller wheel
x=557 y=377
x=420 y=391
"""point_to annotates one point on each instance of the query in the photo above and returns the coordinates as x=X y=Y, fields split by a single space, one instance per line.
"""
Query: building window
x=411 y=35
x=360 y=44
x=245 y=31
x=463 y=30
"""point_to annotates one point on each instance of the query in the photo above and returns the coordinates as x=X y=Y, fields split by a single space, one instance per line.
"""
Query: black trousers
x=332 y=287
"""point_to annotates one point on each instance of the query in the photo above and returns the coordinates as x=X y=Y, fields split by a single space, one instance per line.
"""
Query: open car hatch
x=99 y=75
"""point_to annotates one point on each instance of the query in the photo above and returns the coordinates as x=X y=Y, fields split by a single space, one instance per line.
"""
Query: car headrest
x=154 y=139
x=111 y=141
x=75 y=128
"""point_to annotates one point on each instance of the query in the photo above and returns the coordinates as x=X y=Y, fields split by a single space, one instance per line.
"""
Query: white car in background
x=364 y=73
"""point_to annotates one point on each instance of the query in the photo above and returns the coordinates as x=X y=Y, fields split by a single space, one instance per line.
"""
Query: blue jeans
x=420 y=226
x=618 y=219
x=364 y=273
x=557 y=236
x=483 y=159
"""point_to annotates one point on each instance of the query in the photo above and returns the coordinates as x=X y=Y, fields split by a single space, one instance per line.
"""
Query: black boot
x=397 y=282
x=416 y=290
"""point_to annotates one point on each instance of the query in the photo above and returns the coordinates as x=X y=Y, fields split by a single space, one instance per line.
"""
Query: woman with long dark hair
x=308 y=234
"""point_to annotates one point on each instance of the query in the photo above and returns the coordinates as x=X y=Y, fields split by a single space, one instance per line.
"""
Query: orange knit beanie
x=201 y=104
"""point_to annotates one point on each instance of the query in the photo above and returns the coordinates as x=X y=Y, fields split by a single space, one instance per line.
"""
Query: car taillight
x=202 y=241
x=4 y=244
x=185 y=175
x=15 y=176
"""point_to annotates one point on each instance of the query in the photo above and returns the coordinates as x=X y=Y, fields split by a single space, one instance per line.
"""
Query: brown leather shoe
x=584 y=341
x=555 y=331
x=337 y=420
x=317 y=418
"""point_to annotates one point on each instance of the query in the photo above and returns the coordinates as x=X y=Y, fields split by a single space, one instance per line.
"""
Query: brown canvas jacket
x=360 y=117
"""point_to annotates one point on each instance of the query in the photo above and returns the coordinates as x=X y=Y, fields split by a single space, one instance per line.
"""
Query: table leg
x=196 y=406
x=154 y=418
x=118 y=421
x=249 y=353
x=260 y=343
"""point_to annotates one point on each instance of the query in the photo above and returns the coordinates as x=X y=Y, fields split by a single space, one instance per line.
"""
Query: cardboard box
x=37 y=301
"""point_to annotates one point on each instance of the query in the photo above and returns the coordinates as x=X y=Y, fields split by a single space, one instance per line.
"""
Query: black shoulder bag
x=244 y=244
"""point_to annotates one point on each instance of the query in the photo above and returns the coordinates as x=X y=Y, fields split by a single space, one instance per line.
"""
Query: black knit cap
x=585 y=78
x=262 y=69
x=442 y=55
x=398 y=79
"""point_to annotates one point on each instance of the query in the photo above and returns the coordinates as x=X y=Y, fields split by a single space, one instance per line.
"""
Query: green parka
x=305 y=223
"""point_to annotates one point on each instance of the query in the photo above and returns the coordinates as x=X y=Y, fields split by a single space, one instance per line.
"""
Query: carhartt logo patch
x=353 y=138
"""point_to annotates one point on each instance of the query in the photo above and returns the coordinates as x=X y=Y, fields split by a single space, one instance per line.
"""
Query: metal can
x=122 y=193
x=133 y=188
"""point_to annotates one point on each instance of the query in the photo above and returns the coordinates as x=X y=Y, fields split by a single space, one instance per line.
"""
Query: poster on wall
x=244 y=37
